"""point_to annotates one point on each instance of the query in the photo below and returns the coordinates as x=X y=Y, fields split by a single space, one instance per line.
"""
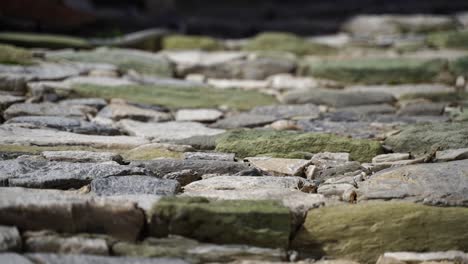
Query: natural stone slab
x=258 y=223
x=40 y=173
x=97 y=80
x=451 y=256
x=288 y=111
x=157 y=150
x=281 y=144
x=391 y=157
x=118 y=111
x=340 y=231
x=209 y=156
x=161 y=167
x=10 y=134
x=451 y=154
x=198 y=115
x=7 y=100
x=167 y=130
x=185 y=59
x=81 y=156
x=90 y=259
x=50 y=242
x=124 y=185
x=403 y=89
x=13 y=258
x=422 y=109
x=337 y=98
x=244 y=120
x=31 y=209
x=286 y=82
x=422 y=138
x=10 y=239
x=46 y=109
x=443 y=184
x=280 y=167
x=240 y=84
x=97 y=103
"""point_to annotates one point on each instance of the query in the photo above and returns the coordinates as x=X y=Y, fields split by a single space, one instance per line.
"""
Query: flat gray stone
x=118 y=111
x=7 y=100
x=81 y=156
x=402 y=89
x=13 y=258
x=10 y=239
x=125 y=185
x=161 y=167
x=451 y=154
x=244 y=120
x=422 y=109
x=11 y=134
x=50 y=242
x=443 y=184
x=32 y=209
x=198 y=115
x=167 y=130
x=391 y=157
x=90 y=259
x=40 y=173
x=337 y=98
x=14 y=83
x=47 y=109
x=210 y=156
x=451 y=256
x=309 y=111
x=97 y=103
x=279 y=166
x=69 y=124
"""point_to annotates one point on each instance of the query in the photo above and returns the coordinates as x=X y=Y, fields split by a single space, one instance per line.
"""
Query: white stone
x=279 y=166
x=200 y=115
x=401 y=90
x=240 y=84
x=390 y=157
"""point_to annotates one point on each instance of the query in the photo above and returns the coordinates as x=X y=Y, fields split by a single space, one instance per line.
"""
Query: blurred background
x=227 y=18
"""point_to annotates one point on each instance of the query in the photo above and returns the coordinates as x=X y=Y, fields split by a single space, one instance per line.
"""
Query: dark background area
x=223 y=18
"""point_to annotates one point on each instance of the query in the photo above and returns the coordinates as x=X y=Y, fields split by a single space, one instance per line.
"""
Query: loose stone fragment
x=184 y=177
x=279 y=167
x=391 y=157
x=258 y=223
x=125 y=185
x=157 y=150
x=81 y=156
x=31 y=209
x=46 y=109
x=198 y=115
x=209 y=156
x=244 y=120
x=340 y=231
x=10 y=239
x=310 y=111
x=118 y=111
x=451 y=154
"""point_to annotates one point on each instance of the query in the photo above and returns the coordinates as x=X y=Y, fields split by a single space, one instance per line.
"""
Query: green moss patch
x=34 y=40
x=181 y=42
x=248 y=143
x=377 y=71
x=460 y=66
x=285 y=42
x=420 y=139
x=125 y=59
x=259 y=223
x=13 y=55
x=175 y=97
x=363 y=232
x=449 y=39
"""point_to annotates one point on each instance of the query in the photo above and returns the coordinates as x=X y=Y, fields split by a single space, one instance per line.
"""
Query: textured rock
x=44 y=137
x=240 y=84
x=422 y=138
x=285 y=82
x=156 y=150
x=209 y=156
x=443 y=184
x=244 y=120
x=198 y=115
x=50 y=242
x=340 y=231
x=403 y=89
x=337 y=98
x=288 y=111
x=280 y=167
x=248 y=143
x=15 y=83
x=7 y=100
x=429 y=257
x=46 y=109
x=451 y=154
x=324 y=168
x=167 y=130
x=391 y=157
x=184 y=177
x=90 y=259
x=81 y=156
x=40 y=173
x=97 y=103
x=10 y=239
x=258 y=223
x=183 y=42
x=118 y=111
x=161 y=167
x=124 y=185
x=12 y=258
x=422 y=108
x=56 y=210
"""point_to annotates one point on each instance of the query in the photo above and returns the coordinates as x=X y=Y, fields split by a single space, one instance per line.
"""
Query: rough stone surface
x=10 y=239
x=55 y=210
x=40 y=173
x=288 y=111
x=451 y=256
x=391 y=157
x=422 y=138
x=118 y=111
x=443 y=184
x=258 y=223
x=209 y=156
x=244 y=120
x=13 y=258
x=340 y=231
x=198 y=115
x=90 y=259
x=422 y=108
x=81 y=156
x=451 y=154
x=401 y=90
x=157 y=150
x=45 y=109
x=124 y=185
x=167 y=130
x=280 y=167
x=7 y=100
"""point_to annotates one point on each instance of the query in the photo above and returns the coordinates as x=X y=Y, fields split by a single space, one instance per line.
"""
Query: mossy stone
x=182 y=42
x=125 y=59
x=364 y=231
x=286 y=42
x=13 y=55
x=377 y=71
x=175 y=97
x=449 y=39
x=258 y=223
x=423 y=138
x=437 y=97
x=35 y=40
x=459 y=66
x=249 y=143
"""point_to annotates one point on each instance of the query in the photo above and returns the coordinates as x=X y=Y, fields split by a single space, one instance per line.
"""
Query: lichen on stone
x=13 y=55
x=181 y=42
x=35 y=40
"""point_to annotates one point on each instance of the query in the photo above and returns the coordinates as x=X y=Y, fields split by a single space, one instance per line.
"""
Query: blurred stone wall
x=230 y=18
